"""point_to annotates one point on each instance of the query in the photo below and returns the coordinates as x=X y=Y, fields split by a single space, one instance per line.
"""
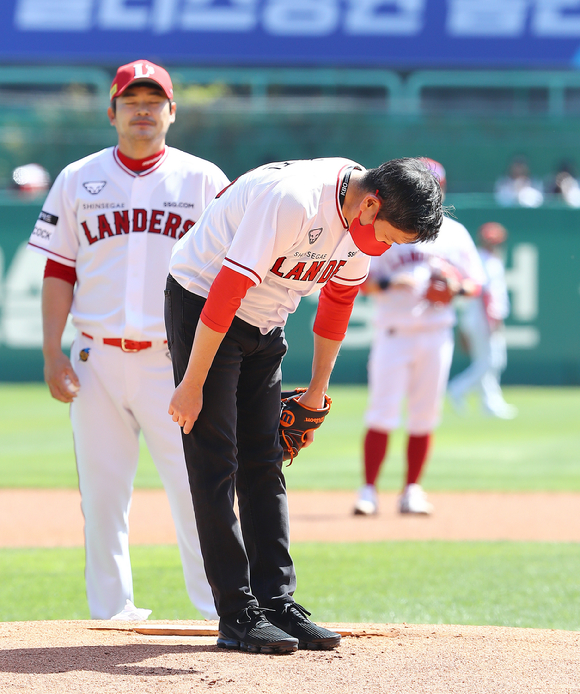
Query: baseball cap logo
x=143 y=70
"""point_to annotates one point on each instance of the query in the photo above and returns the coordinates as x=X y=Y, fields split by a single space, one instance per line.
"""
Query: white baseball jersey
x=407 y=309
x=495 y=286
x=282 y=226
x=117 y=229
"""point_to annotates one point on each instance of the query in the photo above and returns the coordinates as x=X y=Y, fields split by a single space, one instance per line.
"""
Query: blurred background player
x=107 y=229
x=481 y=326
x=410 y=357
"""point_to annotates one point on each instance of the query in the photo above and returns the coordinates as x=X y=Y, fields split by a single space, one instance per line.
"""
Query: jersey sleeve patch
x=48 y=218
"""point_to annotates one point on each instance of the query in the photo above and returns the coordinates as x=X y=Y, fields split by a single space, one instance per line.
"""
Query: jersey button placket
x=136 y=264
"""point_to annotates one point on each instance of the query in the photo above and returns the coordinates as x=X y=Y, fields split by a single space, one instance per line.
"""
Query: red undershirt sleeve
x=334 y=308
x=224 y=299
x=63 y=272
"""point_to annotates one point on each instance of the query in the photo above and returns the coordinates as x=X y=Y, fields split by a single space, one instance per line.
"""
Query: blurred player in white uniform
x=107 y=228
x=481 y=323
x=278 y=233
x=412 y=349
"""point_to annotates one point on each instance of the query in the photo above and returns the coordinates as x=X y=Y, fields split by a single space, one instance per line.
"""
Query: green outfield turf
x=483 y=583
x=513 y=584
x=539 y=450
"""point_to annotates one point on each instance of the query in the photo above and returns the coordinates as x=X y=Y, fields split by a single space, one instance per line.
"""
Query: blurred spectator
x=30 y=180
x=565 y=184
x=481 y=331
x=518 y=188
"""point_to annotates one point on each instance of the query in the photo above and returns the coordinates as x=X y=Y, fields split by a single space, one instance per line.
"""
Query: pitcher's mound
x=89 y=656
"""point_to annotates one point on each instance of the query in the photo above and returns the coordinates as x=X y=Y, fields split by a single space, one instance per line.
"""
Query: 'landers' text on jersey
x=117 y=229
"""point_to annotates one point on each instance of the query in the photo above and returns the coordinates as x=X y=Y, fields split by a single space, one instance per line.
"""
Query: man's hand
x=298 y=420
x=186 y=405
x=315 y=401
x=57 y=369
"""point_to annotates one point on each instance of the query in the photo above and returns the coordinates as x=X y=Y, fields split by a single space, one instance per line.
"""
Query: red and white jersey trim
x=156 y=164
x=242 y=269
x=353 y=281
x=60 y=258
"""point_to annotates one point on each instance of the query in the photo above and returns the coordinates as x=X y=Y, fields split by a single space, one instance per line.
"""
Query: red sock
x=417 y=451
x=375 y=450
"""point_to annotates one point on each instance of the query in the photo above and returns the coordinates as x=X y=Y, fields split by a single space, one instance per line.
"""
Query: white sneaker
x=503 y=411
x=367 y=503
x=414 y=500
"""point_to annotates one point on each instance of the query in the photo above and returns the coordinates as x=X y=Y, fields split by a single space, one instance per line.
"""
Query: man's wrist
x=51 y=351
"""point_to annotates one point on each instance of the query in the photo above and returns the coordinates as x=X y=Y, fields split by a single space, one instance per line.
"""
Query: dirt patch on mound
x=57 y=657
x=111 y=658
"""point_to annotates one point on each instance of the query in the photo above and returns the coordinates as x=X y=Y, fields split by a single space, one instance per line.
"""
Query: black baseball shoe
x=250 y=630
x=293 y=619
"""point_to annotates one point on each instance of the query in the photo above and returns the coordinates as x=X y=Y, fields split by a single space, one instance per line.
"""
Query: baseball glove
x=296 y=420
x=444 y=284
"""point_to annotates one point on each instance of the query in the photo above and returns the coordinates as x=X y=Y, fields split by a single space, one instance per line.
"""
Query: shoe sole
x=365 y=510
x=235 y=645
x=320 y=646
x=415 y=513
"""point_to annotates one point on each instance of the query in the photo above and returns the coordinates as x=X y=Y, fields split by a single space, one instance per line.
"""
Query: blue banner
x=371 y=33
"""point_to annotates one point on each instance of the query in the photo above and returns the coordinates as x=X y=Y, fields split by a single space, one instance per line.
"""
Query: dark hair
x=411 y=194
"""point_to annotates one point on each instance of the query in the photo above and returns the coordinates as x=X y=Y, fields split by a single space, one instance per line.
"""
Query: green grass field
x=539 y=450
x=485 y=583
x=512 y=584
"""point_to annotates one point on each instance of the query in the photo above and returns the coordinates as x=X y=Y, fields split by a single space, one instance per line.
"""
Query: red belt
x=125 y=345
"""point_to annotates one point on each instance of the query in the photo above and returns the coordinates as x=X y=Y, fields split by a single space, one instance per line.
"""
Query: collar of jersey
x=157 y=161
x=339 y=178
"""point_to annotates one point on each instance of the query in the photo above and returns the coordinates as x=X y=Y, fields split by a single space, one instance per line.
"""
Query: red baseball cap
x=141 y=71
x=437 y=169
x=493 y=233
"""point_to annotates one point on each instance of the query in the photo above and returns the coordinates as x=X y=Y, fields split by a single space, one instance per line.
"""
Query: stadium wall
x=475 y=148
x=543 y=332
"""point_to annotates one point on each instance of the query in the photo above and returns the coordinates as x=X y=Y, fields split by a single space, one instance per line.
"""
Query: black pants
x=234 y=446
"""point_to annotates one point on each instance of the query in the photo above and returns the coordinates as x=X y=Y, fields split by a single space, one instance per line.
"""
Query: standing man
x=107 y=229
x=278 y=233
x=481 y=324
x=412 y=349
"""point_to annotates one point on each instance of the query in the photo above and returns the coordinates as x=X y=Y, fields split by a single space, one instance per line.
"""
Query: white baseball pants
x=411 y=365
x=122 y=394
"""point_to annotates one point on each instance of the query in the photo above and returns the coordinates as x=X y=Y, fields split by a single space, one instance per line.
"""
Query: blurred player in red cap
x=481 y=325
x=107 y=229
x=413 y=287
